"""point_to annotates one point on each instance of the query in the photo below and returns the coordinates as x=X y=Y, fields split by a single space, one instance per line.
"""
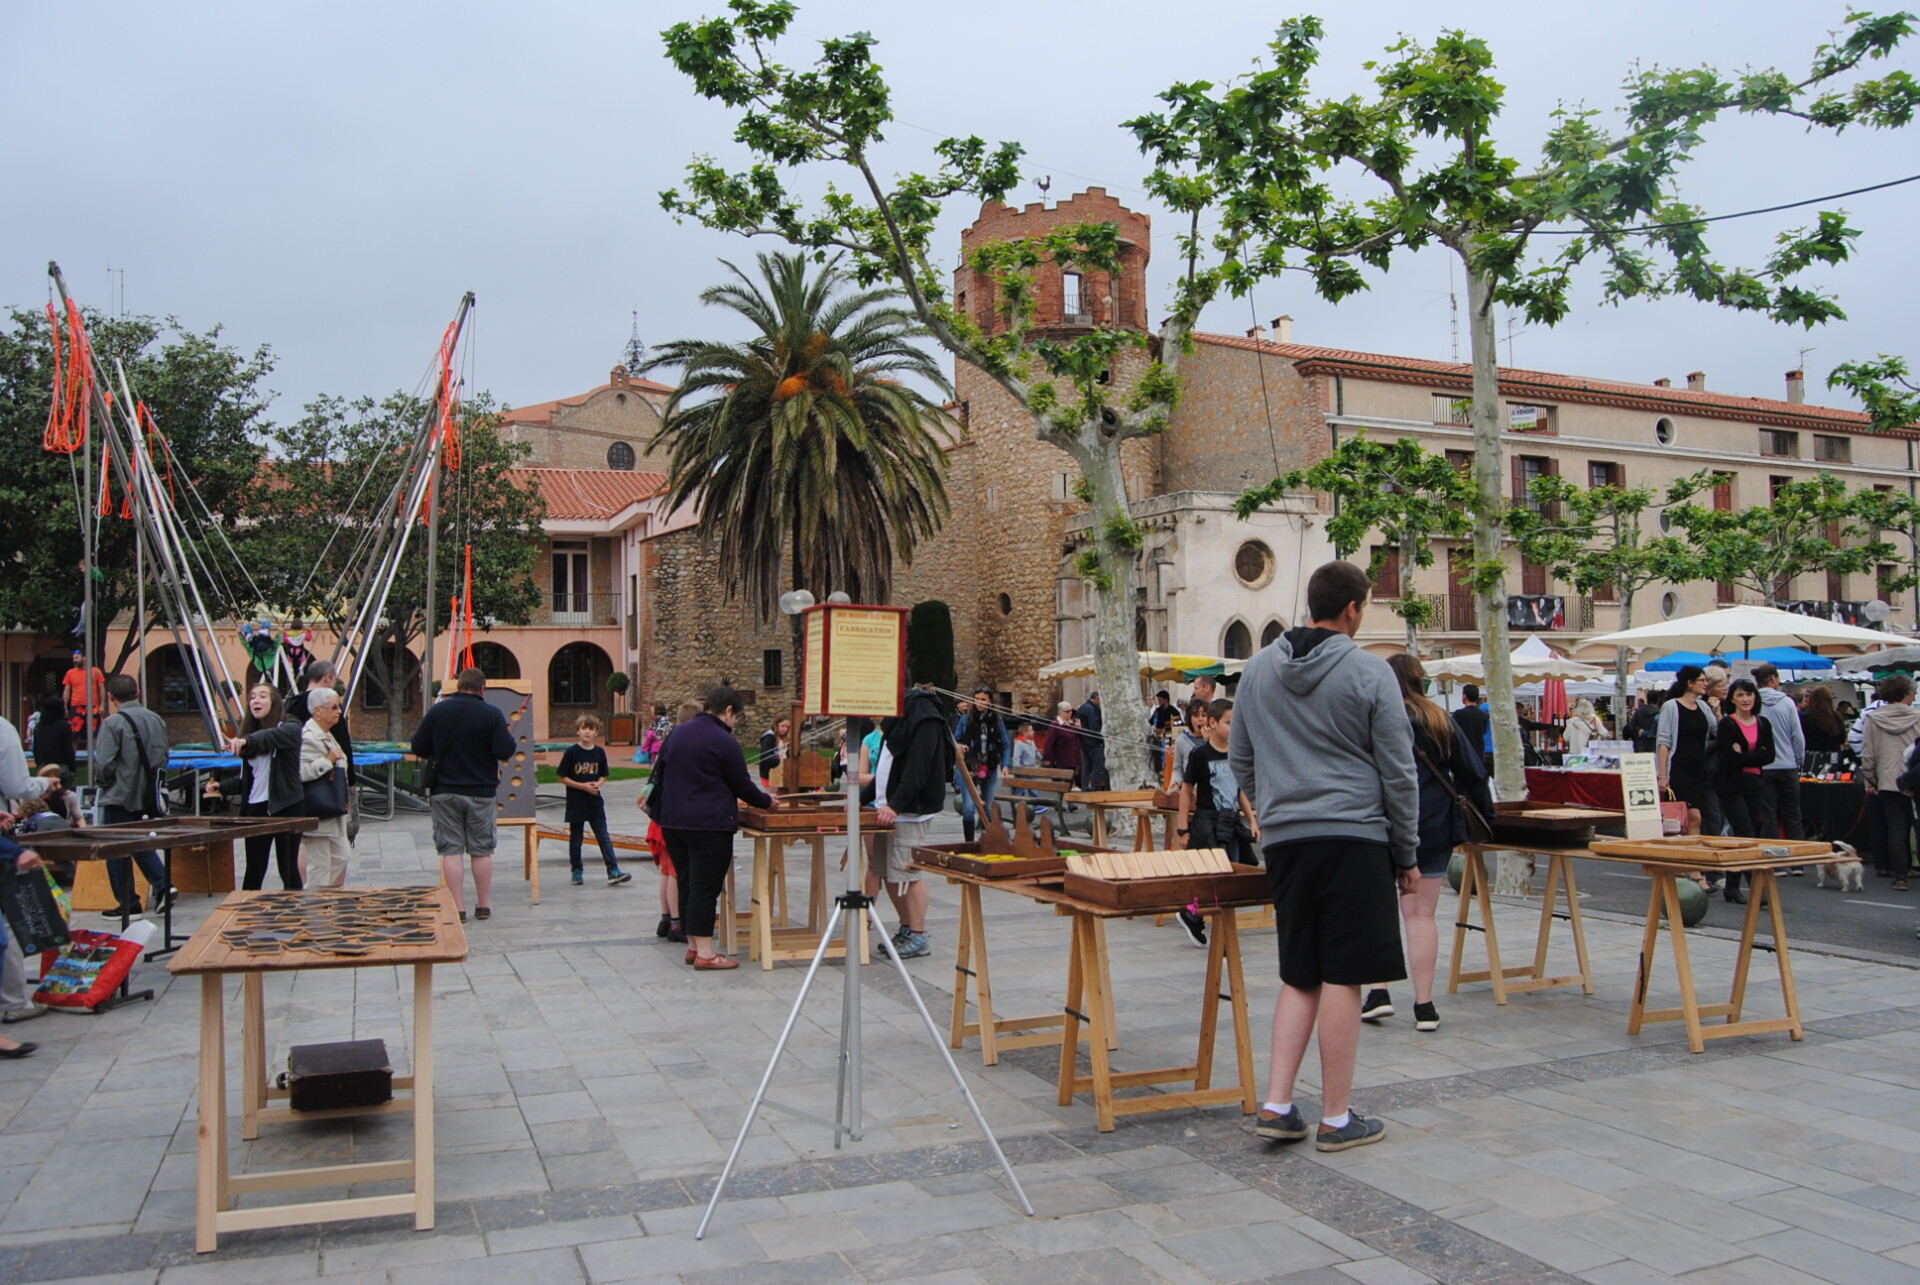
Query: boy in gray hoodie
x=1322 y=745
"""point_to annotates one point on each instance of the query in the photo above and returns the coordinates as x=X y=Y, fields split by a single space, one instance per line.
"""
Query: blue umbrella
x=1668 y=663
x=1792 y=658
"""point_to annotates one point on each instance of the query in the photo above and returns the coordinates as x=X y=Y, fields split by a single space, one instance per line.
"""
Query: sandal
x=715 y=963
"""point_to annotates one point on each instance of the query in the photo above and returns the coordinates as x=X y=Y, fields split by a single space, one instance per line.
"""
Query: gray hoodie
x=1790 y=741
x=1322 y=745
x=1891 y=732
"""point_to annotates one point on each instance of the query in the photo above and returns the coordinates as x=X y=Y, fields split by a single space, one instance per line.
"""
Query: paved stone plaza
x=590 y=1085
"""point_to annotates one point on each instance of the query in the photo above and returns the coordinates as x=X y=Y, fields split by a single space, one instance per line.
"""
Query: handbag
x=327 y=795
x=1673 y=815
x=1479 y=829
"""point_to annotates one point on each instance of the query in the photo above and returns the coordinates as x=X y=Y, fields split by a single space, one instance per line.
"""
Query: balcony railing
x=564 y=608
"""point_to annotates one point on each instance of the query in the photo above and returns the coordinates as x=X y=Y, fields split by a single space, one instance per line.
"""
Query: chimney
x=1283 y=330
x=1663 y=383
x=1697 y=381
x=1257 y=332
x=1797 y=386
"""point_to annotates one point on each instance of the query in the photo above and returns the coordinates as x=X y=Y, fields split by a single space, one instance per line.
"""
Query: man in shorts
x=466 y=740
x=1322 y=745
x=916 y=762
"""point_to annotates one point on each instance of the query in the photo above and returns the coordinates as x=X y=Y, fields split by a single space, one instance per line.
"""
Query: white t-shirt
x=258 y=768
x=880 y=775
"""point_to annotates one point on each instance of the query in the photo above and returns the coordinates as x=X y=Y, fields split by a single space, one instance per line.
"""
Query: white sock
x=1340 y=1121
x=1279 y=1108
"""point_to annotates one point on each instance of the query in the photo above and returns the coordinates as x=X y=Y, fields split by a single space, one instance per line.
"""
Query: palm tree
x=802 y=444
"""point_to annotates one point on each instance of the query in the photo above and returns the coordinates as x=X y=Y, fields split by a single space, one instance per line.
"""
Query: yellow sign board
x=856 y=661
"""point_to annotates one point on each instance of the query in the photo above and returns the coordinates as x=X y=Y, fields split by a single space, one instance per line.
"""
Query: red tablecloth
x=1582 y=789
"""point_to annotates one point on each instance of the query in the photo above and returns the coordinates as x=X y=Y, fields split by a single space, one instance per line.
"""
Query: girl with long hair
x=267 y=784
x=1438 y=748
x=1746 y=746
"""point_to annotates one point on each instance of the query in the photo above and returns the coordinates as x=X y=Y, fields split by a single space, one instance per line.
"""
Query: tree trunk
x=1489 y=470
x=1123 y=719
x=1405 y=572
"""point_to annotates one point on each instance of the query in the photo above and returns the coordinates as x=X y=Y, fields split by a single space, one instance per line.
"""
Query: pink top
x=1751 y=731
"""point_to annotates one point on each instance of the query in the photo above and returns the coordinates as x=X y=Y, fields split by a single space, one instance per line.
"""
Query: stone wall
x=1221 y=437
x=579 y=432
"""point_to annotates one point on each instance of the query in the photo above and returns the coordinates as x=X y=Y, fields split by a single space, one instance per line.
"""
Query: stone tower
x=1013 y=495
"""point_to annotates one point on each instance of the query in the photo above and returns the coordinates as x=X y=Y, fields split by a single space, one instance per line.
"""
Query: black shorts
x=1338 y=913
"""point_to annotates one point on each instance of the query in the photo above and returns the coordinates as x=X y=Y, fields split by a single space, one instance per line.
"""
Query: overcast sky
x=326 y=179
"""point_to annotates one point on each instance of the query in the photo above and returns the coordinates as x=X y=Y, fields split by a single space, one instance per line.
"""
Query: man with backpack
x=127 y=762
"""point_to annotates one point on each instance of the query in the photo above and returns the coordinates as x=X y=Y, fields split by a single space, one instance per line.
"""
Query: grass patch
x=615 y=772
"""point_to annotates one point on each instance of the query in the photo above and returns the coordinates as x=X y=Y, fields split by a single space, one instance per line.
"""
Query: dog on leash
x=1844 y=870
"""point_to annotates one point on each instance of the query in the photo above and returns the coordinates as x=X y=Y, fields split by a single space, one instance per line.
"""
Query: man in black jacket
x=1472 y=719
x=467 y=740
x=1093 y=762
x=916 y=762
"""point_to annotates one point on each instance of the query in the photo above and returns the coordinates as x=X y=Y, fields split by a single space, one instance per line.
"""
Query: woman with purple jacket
x=699 y=779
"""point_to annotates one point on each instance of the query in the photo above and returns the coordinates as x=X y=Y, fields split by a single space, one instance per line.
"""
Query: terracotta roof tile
x=1450 y=375
x=542 y=412
x=587 y=494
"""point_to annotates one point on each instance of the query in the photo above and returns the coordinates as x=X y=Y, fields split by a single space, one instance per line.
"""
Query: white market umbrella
x=1737 y=630
x=1531 y=662
x=1158 y=665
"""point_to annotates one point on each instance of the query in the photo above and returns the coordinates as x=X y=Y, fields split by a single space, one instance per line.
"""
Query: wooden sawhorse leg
x=211 y=1189
x=1473 y=888
x=970 y=971
x=1666 y=896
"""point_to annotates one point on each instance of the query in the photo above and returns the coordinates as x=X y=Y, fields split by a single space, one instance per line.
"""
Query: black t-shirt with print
x=578 y=764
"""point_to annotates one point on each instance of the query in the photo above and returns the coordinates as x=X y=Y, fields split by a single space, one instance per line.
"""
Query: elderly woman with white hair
x=324 y=851
x=1583 y=725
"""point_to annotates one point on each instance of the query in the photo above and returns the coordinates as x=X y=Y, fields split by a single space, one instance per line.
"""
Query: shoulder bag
x=1479 y=829
x=326 y=796
x=153 y=794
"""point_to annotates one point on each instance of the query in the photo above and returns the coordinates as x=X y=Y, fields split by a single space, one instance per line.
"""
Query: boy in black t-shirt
x=583 y=770
x=1213 y=811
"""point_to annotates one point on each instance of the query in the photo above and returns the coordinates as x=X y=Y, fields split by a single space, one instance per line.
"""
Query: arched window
x=1272 y=632
x=620 y=456
x=1237 y=642
x=577 y=674
x=169 y=686
x=495 y=661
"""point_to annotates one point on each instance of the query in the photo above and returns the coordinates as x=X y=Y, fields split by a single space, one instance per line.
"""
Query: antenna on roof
x=635 y=355
x=1801 y=364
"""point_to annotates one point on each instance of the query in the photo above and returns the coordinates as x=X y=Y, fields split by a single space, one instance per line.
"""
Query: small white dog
x=1845 y=871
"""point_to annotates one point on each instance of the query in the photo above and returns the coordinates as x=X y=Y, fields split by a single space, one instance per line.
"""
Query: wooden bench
x=1046 y=787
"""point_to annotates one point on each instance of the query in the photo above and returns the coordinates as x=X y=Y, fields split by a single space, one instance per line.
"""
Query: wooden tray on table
x=805 y=819
x=1553 y=825
x=1149 y=890
x=975 y=859
x=1699 y=850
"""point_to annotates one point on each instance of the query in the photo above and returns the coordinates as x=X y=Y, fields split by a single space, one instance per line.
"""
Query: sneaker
x=1280 y=1128
x=463 y=916
x=617 y=876
x=675 y=932
x=664 y=927
x=914 y=945
x=578 y=878
x=1195 y=926
x=482 y=912
x=1377 y=1005
x=1426 y=1017
x=162 y=898
x=1358 y=1132
x=900 y=934
x=26 y=1014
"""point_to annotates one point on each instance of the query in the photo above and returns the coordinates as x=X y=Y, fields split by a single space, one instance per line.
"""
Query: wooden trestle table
x=209 y=956
x=1663 y=904
x=772 y=935
x=1089 y=1004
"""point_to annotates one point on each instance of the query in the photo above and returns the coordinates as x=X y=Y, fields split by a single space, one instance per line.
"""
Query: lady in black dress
x=1820 y=723
x=1746 y=745
x=1681 y=741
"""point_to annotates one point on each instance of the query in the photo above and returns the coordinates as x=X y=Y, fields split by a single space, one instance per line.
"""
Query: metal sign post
x=854 y=684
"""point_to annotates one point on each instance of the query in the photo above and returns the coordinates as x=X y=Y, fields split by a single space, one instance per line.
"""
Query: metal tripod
x=849 y=915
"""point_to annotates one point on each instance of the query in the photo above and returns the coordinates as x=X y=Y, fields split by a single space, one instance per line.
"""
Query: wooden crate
x=1555 y=824
x=964 y=858
x=1697 y=850
x=1246 y=886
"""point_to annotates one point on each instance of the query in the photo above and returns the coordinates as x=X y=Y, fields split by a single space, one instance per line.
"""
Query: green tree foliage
x=1275 y=168
x=1594 y=538
x=1884 y=386
x=930 y=646
x=206 y=399
x=833 y=113
x=803 y=444
x=1809 y=527
x=1893 y=513
x=339 y=460
x=1408 y=495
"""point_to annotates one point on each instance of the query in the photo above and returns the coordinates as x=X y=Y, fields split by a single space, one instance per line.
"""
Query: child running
x=583 y=770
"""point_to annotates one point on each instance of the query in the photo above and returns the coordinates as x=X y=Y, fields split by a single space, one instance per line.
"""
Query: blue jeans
x=598 y=821
x=120 y=869
x=988 y=788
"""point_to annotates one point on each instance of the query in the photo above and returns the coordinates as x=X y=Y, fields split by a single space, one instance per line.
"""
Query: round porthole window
x=1663 y=431
x=1669 y=604
x=620 y=456
x=1253 y=564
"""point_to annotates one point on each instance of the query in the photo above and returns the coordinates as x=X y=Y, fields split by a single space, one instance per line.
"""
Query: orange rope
x=70 y=408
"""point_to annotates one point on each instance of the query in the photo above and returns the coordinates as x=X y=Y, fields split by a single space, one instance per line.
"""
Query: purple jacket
x=702 y=771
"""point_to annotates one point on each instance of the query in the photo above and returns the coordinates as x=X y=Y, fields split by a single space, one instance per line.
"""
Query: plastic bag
x=92 y=966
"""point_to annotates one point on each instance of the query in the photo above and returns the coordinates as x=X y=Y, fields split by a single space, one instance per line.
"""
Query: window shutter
x=1519 y=480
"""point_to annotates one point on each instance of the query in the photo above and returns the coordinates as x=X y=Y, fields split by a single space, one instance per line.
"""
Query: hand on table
x=886 y=815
